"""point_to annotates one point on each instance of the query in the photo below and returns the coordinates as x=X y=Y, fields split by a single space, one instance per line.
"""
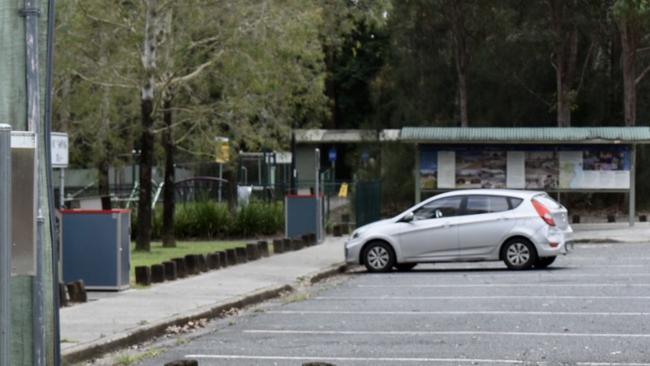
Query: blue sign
x=332 y=154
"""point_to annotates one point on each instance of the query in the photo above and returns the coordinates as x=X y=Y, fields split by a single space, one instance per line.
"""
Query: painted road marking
x=513 y=285
x=570 y=297
x=446 y=333
x=486 y=312
x=356 y=359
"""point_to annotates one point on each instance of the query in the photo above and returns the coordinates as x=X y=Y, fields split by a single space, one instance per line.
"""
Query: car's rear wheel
x=519 y=253
x=378 y=257
x=403 y=267
x=544 y=262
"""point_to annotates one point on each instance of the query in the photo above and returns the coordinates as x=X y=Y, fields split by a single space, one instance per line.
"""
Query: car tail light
x=543 y=212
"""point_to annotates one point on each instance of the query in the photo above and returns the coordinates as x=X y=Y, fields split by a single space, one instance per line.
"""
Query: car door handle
x=448 y=224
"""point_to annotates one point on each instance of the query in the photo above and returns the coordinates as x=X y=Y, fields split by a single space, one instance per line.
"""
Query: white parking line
x=486 y=312
x=568 y=297
x=357 y=359
x=446 y=333
x=621 y=285
x=444 y=274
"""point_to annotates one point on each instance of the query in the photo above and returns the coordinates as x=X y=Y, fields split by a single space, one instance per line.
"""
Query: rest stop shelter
x=553 y=159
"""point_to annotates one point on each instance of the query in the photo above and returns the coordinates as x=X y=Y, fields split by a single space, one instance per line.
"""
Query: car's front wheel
x=544 y=262
x=378 y=257
x=519 y=253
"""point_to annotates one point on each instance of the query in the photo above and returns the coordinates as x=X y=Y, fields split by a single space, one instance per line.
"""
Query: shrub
x=210 y=220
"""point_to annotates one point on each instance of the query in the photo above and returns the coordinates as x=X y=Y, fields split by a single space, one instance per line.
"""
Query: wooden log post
x=181 y=270
x=142 y=276
x=157 y=273
x=171 y=272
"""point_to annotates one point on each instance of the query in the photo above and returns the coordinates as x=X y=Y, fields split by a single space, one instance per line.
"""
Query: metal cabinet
x=96 y=248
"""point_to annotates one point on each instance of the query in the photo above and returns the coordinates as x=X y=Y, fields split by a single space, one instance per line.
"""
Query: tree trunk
x=143 y=240
x=169 y=192
x=459 y=36
x=629 y=46
x=102 y=177
x=565 y=52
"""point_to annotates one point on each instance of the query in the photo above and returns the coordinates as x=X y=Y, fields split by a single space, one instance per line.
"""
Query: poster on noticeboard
x=536 y=168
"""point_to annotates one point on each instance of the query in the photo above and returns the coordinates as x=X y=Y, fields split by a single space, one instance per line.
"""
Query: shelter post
x=632 y=196
x=416 y=174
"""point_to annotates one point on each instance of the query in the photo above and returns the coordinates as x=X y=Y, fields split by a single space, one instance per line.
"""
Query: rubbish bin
x=95 y=247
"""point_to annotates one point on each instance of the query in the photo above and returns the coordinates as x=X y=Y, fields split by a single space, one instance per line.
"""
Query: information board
x=534 y=167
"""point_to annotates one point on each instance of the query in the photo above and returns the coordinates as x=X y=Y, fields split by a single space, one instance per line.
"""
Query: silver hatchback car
x=521 y=228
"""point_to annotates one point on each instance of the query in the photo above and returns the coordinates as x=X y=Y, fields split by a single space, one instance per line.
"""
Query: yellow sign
x=343 y=191
x=223 y=151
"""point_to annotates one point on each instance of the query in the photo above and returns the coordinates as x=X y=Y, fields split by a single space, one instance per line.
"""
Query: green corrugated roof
x=527 y=135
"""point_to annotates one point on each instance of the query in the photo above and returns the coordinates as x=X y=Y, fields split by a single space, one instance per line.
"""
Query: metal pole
x=317 y=192
x=5 y=245
x=416 y=172
x=220 y=178
x=632 y=198
x=62 y=188
x=32 y=13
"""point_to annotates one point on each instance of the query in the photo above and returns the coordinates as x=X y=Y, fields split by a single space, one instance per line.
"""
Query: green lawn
x=158 y=254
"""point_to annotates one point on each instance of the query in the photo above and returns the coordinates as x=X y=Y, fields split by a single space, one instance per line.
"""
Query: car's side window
x=485 y=204
x=444 y=207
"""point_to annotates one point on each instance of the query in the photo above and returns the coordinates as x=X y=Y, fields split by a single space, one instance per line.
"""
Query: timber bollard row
x=194 y=264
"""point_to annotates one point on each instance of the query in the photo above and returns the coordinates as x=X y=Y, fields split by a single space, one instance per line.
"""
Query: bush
x=210 y=220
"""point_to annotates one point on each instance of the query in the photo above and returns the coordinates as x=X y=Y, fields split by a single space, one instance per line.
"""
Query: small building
x=553 y=159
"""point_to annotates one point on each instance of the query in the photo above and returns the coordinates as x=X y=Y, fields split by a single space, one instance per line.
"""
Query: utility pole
x=5 y=245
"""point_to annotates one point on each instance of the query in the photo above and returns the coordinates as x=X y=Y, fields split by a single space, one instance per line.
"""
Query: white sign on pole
x=60 y=152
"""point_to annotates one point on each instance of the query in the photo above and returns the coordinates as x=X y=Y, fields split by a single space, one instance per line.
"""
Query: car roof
x=496 y=192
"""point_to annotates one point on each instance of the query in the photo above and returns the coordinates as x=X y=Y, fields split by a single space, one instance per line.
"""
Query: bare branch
x=584 y=65
x=532 y=92
x=643 y=74
x=101 y=83
x=196 y=72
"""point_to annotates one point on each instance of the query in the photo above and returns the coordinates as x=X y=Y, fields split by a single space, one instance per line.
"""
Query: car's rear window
x=514 y=202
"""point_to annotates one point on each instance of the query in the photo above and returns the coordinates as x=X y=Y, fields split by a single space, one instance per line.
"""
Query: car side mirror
x=408 y=217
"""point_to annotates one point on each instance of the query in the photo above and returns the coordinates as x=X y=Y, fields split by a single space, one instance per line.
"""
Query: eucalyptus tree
x=633 y=19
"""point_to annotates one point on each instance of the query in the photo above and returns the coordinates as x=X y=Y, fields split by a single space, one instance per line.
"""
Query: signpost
x=332 y=156
x=222 y=157
x=60 y=159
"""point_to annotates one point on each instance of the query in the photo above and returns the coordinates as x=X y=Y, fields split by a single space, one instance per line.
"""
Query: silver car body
x=467 y=237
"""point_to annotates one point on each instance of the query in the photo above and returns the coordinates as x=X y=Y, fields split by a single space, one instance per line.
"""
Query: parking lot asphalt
x=589 y=308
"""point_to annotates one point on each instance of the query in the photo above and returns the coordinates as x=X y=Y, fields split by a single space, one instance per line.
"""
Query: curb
x=609 y=241
x=143 y=333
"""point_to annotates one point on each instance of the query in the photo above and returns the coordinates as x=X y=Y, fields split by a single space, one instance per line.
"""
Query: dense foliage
x=131 y=74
